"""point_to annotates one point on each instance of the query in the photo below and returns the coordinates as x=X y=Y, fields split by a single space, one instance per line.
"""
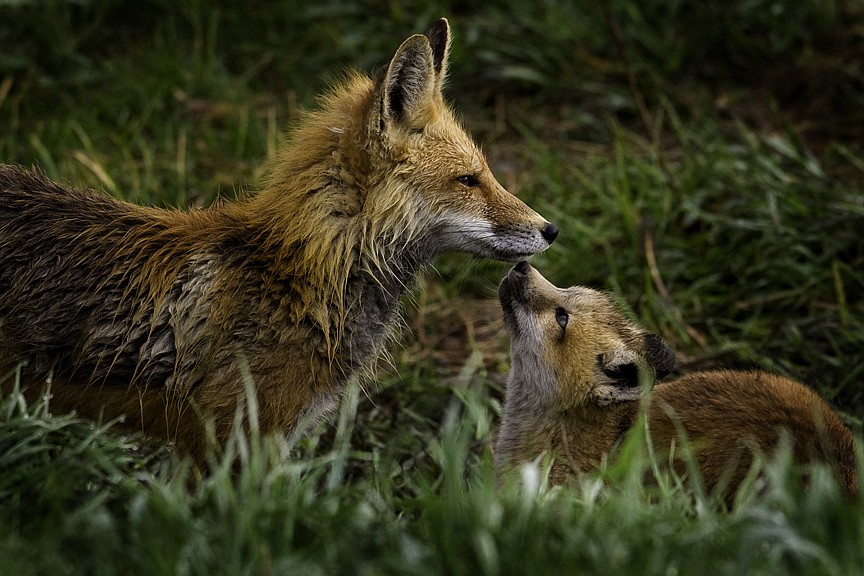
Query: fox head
x=573 y=346
x=426 y=153
x=384 y=161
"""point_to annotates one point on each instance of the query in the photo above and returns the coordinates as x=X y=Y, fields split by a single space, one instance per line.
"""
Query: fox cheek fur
x=156 y=314
x=431 y=156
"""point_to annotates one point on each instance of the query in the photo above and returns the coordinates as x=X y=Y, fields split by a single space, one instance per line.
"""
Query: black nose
x=522 y=267
x=550 y=232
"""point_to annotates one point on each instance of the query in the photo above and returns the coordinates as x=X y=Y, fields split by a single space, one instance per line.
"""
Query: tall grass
x=703 y=161
x=274 y=515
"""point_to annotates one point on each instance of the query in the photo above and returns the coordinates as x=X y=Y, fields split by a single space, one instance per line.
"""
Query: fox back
x=729 y=416
x=581 y=372
x=156 y=315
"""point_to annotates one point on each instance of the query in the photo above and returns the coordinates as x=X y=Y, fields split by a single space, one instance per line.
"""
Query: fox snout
x=514 y=285
x=514 y=292
x=493 y=224
x=519 y=282
x=517 y=231
x=514 y=242
x=523 y=267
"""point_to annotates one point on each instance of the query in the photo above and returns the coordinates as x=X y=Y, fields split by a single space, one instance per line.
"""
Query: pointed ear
x=406 y=92
x=621 y=367
x=413 y=80
x=624 y=375
x=439 y=39
x=659 y=356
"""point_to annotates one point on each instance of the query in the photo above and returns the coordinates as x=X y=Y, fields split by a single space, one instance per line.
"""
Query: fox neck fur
x=157 y=314
x=302 y=269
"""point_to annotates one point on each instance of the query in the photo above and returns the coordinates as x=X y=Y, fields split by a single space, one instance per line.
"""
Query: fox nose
x=522 y=267
x=549 y=232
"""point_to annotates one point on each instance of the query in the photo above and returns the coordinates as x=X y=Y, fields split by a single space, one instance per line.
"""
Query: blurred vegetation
x=703 y=160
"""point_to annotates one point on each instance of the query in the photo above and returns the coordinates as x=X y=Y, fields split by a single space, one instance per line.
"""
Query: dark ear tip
x=439 y=37
x=658 y=355
x=438 y=27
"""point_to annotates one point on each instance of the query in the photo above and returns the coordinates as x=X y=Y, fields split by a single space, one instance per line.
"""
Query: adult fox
x=128 y=310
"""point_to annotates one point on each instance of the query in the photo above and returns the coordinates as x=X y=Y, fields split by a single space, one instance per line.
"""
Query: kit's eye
x=468 y=180
x=561 y=317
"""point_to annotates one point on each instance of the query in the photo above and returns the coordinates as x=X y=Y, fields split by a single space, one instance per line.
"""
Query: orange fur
x=575 y=390
x=152 y=314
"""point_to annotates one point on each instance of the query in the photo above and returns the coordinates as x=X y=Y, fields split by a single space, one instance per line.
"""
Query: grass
x=702 y=161
x=282 y=516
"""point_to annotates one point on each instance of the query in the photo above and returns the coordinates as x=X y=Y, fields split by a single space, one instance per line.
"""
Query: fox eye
x=561 y=317
x=468 y=180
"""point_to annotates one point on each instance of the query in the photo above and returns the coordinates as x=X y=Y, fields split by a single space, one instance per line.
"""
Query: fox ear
x=620 y=370
x=659 y=356
x=439 y=39
x=406 y=92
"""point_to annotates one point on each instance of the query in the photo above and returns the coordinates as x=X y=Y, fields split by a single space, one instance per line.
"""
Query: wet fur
x=153 y=314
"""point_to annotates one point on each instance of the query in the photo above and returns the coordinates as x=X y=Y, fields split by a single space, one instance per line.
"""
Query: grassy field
x=704 y=162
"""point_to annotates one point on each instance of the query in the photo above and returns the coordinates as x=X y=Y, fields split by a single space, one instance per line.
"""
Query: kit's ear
x=620 y=377
x=658 y=355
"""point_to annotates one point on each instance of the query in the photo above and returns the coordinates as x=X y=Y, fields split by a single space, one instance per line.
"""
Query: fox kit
x=574 y=390
x=128 y=310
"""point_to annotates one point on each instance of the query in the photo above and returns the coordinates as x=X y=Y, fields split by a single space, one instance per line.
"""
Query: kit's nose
x=522 y=267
